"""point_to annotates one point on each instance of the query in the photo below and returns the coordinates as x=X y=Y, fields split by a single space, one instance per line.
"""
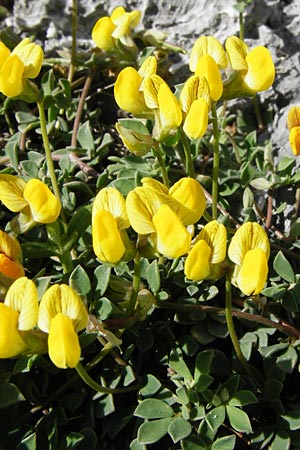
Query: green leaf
x=153 y=408
x=281 y=441
x=292 y=419
x=193 y=443
x=79 y=223
x=283 y=267
x=153 y=431
x=28 y=443
x=85 y=136
x=215 y=417
x=153 y=277
x=238 y=419
x=261 y=184
x=151 y=387
x=287 y=360
x=79 y=281
x=177 y=363
x=203 y=362
x=135 y=445
x=104 y=406
x=224 y=443
x=10 y=394
x=102 y=276
x=242 y=398
x=179 y=428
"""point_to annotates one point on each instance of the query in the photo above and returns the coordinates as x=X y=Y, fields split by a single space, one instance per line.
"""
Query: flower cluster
x=29 y=327
x=145 y=94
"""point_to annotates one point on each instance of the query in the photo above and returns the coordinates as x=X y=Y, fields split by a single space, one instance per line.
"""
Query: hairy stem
x=158 y=153
x=188 y=157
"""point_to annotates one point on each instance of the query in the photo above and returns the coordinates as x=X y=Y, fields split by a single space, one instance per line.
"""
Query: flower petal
x=148 y=67
x=127 y=92
x=196 y=121
x=22 y=297
x=197 y=264
x=141 y=205
x=4 y=53
x=44 y=206
x=293 y=119
x=247 y=237
x=63 y=343
x=151 y=87
x=11 y=343
x=111 y=200
x=208 y=68
x=10 y=246
x=237 y=51
x=214 y=233
x=10 y=268
x=102 y=33
x=295 y=140
x=173 y=239
x=261 y=70
x=253 y=273
x=31 y=56
x=169 y=109
x=11 y=76
x=11 y=192
x=194 y=88
x=191 y=200
x=208 y=45
x=107 y=241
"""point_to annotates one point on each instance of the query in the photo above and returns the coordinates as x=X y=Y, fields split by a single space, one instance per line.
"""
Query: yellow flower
x=207 y=58
x=128 y=88
x=167 y=111
x=10 y=257
x=208 y=250
x=293 y=124
x=18 y=314
x=16 y=67
x=195 y=102
x=255 y=69
x=108 y=31
x=109 y=222
x=249 y=249
x=62 y=314
x=33 y=199
x=163 y=214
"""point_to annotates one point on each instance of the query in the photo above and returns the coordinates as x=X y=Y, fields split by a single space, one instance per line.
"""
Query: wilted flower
x=255 y=71
x=109 y=30
x=293 y=124
x=34 y=200
x=16 y=67
x=109 y=223
x=62 y=314
x=249 y=249
x=209 y=250
x=18 y=315
x=10 y=259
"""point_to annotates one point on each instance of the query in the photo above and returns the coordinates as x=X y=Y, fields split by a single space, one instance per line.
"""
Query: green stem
x=241 y=21
x=230 y=324
x=188 y=157
x=159 y=155
x=216 y=163
x=97 y=387
x=74 y=41
x=136 y=281
x=46 y=143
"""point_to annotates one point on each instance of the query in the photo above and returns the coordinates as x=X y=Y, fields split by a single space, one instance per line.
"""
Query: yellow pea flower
x=249 y=249
x=167 y=112
x=208 y=68
x=128 y=90
x=16 y=67
x=109 y=222
x=293 y=124
x=255 y=71
x=18 y=314
x=107 y=31
x=33 y=199
x=195 y=102
x=208 y=251
x=10 y=258
x=62 y=314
